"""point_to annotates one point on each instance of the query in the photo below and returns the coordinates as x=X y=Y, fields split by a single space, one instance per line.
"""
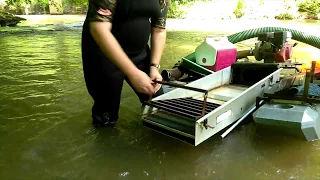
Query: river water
x=46 y=131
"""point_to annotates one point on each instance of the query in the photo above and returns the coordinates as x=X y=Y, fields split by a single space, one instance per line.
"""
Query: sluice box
x=204 y=107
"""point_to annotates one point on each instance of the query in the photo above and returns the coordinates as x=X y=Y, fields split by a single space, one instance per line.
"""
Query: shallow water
x=46 y=132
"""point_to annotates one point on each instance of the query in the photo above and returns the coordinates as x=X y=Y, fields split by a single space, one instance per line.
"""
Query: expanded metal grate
x=187 y=107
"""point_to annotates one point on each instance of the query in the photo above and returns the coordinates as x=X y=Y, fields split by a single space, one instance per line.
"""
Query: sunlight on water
x=46 y=132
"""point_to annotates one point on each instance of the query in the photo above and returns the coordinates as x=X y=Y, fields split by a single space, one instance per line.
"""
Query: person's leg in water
x=104 y=83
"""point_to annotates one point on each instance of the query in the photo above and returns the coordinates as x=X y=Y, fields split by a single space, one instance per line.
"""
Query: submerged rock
x=7 y=19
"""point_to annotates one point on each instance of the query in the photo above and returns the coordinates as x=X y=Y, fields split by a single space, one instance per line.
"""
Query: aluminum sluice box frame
x=233 y=105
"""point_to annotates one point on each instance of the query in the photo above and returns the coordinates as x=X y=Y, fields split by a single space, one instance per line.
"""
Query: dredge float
x=211 y=89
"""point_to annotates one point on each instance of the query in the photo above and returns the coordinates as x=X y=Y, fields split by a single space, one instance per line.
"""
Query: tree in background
x=240 y=8
x=310 y=8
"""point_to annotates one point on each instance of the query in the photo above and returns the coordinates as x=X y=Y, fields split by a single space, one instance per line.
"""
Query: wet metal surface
x=46 y=132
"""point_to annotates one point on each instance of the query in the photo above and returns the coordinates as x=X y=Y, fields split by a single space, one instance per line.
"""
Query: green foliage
x=175 y=11
x=310 y=7
x=42 y=6
x=75 y=6
x=285 y=16
x=261 y=2
x=18 y=6
x=15 y=2
x=240 y=9
x=182 y=2
x=177 y=8
x=81 y=3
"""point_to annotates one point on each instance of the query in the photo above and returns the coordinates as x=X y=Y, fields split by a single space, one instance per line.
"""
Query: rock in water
x=7 y=19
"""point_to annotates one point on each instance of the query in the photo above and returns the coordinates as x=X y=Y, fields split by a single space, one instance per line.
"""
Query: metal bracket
x=206 y=125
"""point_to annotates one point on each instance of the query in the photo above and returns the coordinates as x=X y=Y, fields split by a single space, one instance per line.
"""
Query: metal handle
x=181 y=86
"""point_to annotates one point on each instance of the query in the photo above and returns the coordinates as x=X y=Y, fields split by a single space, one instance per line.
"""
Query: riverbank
x=7 y=19
x=223 y=26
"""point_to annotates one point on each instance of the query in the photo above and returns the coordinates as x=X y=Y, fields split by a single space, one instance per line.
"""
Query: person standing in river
x=115 y=48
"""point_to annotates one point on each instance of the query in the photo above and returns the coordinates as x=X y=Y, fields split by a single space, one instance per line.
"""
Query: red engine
x=284 y=54
x=273 y=47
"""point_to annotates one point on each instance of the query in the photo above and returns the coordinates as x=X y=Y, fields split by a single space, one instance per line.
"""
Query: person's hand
x=155 y=75
x=141 y=82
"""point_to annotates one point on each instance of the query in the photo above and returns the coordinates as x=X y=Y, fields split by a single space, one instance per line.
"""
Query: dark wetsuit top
x=131 y=24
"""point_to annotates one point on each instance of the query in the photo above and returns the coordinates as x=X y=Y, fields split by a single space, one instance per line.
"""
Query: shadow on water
x=46 y=130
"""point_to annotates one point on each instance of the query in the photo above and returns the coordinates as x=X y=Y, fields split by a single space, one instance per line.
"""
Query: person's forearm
x=111 y=48
x=158 y=41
